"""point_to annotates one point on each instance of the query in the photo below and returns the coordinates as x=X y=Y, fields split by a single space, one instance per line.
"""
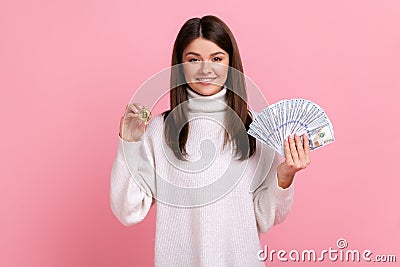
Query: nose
x=205 y=67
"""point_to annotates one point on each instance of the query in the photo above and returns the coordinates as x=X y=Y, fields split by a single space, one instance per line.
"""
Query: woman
x=180 y=158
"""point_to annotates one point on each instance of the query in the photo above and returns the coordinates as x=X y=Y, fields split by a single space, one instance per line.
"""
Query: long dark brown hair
x=176 y=126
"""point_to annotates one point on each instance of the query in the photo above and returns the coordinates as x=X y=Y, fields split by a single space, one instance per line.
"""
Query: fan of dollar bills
x=288 y=117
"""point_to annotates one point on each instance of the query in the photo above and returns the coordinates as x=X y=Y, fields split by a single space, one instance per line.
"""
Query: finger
x=137 y=105
x=299 y=146
x=132 y=115
x=293 y=150
x=307 y=153
x=129 y=109
x=288 y=155
x=133 y=108
x=141 y=126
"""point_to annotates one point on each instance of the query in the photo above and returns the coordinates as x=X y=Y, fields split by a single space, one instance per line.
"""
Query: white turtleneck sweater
x=200 y=221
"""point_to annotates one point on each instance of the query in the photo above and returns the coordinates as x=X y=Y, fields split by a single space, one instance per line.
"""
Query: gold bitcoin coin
x=144 y=114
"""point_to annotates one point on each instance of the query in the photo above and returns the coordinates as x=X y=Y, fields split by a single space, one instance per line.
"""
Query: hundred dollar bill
x=321 y=136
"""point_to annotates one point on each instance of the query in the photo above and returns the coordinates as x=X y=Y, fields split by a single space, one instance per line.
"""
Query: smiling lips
x=206 y=81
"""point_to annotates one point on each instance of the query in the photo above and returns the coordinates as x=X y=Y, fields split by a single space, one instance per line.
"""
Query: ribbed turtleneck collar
x=206 y=104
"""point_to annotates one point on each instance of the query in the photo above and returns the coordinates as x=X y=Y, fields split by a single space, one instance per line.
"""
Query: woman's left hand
x=297 y=158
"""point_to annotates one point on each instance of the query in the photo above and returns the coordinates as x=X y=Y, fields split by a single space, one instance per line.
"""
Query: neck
x=212 y=104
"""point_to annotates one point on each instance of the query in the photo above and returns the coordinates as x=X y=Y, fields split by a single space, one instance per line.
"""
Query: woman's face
x=205 y=66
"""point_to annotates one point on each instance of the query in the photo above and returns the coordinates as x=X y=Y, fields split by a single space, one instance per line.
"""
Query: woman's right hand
x=131 y=127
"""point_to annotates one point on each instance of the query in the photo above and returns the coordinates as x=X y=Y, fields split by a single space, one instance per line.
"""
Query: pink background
x=68 y=68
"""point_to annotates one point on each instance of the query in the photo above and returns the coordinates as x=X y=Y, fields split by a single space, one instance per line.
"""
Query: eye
x=193 y=60
x=217 y=59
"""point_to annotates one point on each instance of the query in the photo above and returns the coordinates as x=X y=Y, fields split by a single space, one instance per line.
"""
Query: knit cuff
x=129 y=150
x=283 y=192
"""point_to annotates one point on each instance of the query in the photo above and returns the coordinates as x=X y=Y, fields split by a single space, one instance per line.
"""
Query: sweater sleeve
x=271 y=202
x=130 y=196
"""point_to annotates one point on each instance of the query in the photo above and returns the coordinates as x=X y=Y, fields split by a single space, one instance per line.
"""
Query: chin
x=205 y=90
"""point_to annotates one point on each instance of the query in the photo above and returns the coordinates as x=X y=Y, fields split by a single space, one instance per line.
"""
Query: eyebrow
x=197 y=54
